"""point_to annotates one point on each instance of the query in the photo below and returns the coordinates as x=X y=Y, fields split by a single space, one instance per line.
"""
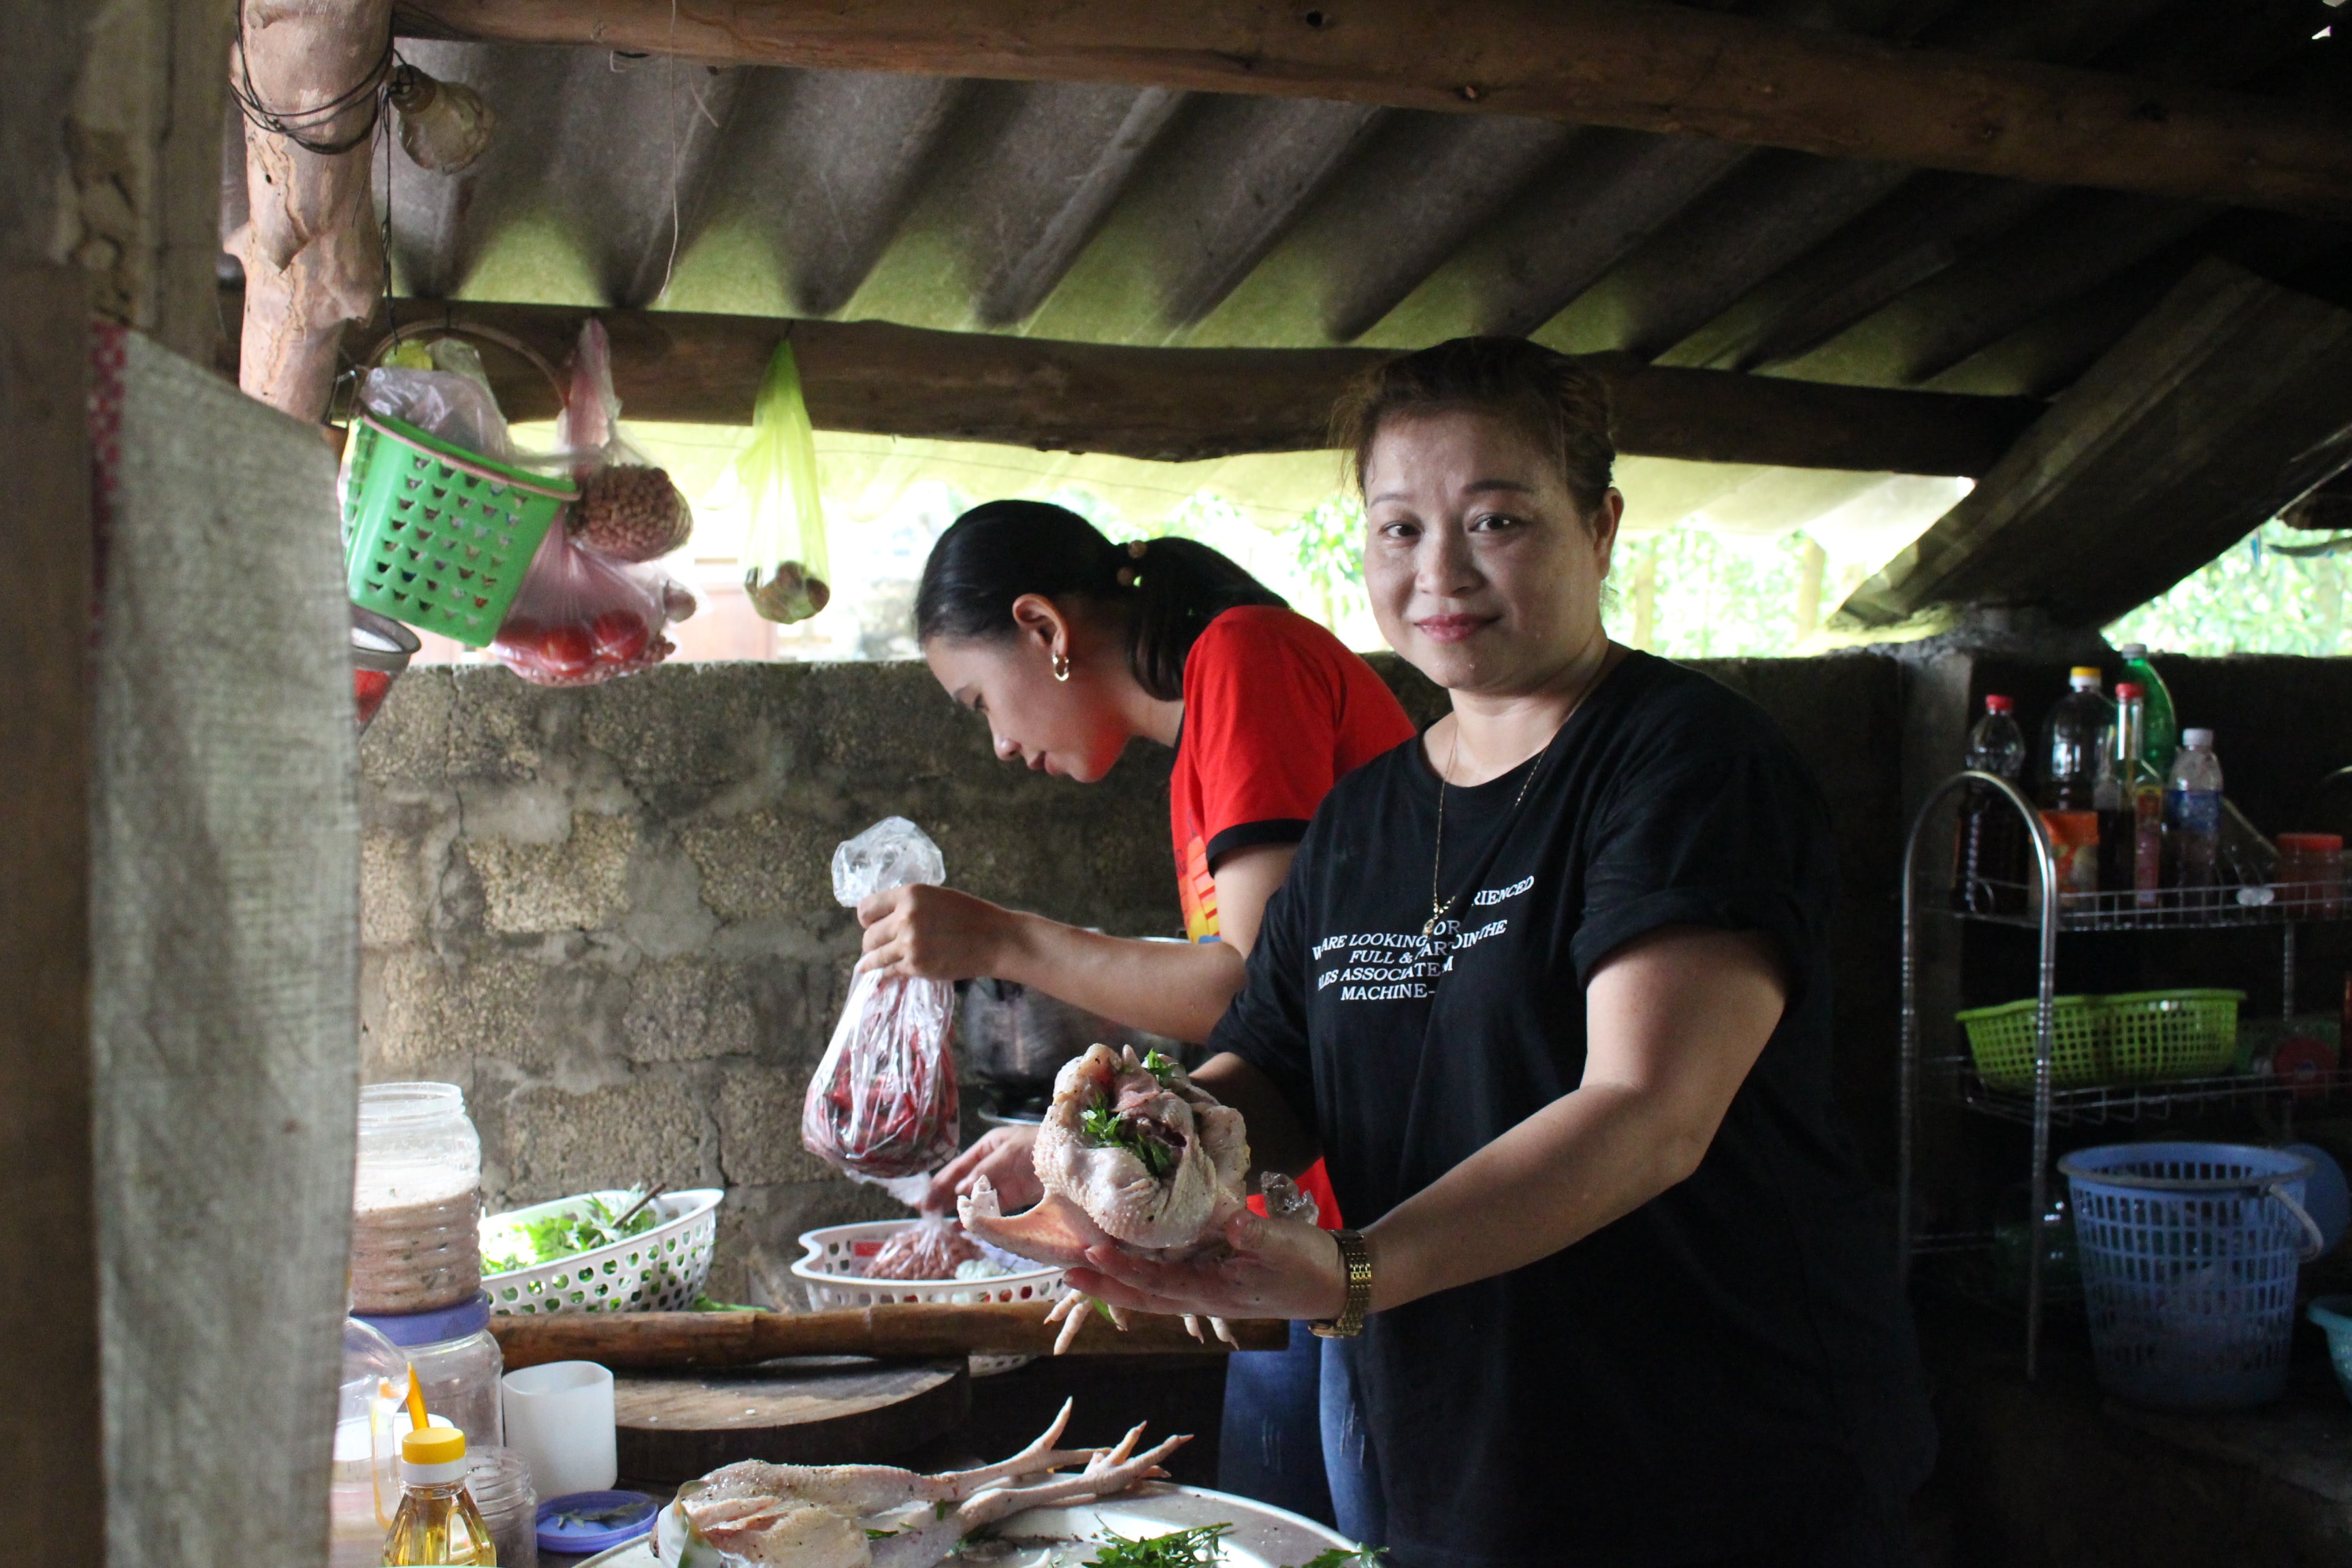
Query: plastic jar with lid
x=457 y=1365
x=501 y=1481
x=2311 y=873
x=417 y=1201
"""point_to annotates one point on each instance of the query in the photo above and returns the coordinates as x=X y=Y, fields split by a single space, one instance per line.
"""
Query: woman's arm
x=1176 y=989
x=1674 y=1021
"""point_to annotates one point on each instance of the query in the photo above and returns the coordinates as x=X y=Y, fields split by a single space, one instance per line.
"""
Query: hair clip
x=1126 y=576
x=1136 y=547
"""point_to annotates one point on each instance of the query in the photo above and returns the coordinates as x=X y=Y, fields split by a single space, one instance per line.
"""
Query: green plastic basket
x=2001 y=1040
x=2172 y=1034
x=440 y=537
x=2139 y=1037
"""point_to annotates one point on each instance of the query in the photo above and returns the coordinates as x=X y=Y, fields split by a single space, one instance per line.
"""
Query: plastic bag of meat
x=931 y=1248
x=628 y=508
x=579 y=620
x=882 y=1103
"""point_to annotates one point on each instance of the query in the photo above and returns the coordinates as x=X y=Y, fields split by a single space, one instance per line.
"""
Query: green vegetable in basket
x=568 y=1235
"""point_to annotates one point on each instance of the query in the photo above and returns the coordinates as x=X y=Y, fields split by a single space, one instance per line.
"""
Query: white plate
x=1264 y=1536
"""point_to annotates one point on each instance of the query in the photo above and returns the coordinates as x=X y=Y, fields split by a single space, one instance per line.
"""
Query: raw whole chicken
x=758 y=1515
x=1130 y=1155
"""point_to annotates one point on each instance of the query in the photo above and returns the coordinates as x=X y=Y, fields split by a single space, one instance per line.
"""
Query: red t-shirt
x=1275 y=709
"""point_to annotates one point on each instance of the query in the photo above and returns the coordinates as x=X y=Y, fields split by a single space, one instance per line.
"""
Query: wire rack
x=1953 y=1080
x=2045 y=910
x=2167 y=908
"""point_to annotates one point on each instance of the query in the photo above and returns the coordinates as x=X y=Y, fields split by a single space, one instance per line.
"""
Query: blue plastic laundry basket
x=2188 y=1254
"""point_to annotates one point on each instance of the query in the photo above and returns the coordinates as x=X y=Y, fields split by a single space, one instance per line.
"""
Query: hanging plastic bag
x=787 y=576
x=882 y=1104
x=579 y=620
x=453 y=404
x=628 y=508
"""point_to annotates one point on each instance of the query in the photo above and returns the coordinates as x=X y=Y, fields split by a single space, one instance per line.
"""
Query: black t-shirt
x=1731 y=1364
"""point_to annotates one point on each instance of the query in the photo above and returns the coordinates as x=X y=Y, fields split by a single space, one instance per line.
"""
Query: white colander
x=659 y=1271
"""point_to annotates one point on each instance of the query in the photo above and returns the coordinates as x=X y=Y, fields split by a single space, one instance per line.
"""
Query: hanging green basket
x=440 y=537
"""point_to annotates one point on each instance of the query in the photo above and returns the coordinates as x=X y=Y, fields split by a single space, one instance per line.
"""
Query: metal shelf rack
x=1953 y=1080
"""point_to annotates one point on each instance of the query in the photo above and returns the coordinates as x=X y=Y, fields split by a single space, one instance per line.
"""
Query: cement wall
x=607 y=914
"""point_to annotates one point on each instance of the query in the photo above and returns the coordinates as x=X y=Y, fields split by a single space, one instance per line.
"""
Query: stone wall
x=607 y=914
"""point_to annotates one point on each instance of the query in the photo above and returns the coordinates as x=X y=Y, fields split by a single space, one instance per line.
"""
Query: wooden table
x=828 y=1410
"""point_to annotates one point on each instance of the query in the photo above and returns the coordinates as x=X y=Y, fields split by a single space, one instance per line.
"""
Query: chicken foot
x=1109 y=1471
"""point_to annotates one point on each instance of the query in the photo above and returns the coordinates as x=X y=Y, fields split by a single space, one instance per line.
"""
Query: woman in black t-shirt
x=1548 y=988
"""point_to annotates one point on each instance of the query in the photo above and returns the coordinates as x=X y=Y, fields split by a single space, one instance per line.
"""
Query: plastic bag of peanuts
x=628 y=508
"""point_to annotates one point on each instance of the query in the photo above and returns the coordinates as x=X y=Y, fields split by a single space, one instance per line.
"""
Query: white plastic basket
x=830 y=1252
x=660 y=1270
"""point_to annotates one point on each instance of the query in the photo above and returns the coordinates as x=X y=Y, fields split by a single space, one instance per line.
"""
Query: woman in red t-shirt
x=1072 y=646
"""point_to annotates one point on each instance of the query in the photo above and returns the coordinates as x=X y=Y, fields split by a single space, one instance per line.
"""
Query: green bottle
x=2159 y=739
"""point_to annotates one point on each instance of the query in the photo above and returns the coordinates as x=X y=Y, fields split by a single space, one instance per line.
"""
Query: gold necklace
x=1438 y=909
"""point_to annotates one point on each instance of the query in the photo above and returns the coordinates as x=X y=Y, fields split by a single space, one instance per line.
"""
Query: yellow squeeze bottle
x=437 y=1522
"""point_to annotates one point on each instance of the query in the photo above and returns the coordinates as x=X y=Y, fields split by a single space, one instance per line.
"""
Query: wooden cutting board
x=809 y=1410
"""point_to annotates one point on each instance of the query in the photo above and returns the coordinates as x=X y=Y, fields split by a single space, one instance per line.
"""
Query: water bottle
x=2192 y=813
x=1988 y=859
x=2159 y=735
x=2080 y=729
x=2074 y=737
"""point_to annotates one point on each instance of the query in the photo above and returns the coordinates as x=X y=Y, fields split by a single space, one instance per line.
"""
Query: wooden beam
x=2233 y=397
x=1642 y=66
x=1180 y=404
x=49 y=1441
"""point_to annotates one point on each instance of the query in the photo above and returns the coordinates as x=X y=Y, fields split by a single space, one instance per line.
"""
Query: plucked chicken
x=758 y=1515
x=1132 y=1154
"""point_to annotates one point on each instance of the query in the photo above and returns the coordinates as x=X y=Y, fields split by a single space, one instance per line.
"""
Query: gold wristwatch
x=1357 y=1259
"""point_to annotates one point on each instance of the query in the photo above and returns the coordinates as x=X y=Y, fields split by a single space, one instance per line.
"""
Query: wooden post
x=50 y=1437
x=312 y=261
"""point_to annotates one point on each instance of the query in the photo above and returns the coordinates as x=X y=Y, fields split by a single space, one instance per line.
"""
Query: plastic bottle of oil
x=437 y=1522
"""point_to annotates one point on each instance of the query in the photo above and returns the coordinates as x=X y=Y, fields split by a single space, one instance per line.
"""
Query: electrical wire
x=302 y=126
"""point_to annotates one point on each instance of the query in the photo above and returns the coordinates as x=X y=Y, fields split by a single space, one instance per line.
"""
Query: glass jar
x=500 y=1482
x=457 y=1367
x=417 y=1201
x=2311 y=873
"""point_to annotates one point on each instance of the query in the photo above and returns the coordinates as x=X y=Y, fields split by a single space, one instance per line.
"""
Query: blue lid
x=593 y=1521
x=409 y=1330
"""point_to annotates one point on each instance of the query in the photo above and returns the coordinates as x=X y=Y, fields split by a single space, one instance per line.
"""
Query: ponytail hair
x=1167 y=589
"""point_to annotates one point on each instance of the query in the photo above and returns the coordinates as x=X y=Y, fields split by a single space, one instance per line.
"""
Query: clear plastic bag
x=786 y=570
x=454 y=406
x=629 y=509
x=580 y=618
x=882 y=1103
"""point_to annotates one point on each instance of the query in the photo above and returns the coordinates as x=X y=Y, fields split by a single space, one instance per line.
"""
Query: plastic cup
x=559 y=1420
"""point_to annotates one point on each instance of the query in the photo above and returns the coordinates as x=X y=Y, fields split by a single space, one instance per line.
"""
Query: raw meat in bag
x=882 y=1104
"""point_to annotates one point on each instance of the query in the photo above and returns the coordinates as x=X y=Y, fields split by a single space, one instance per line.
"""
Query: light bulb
x=443 y=125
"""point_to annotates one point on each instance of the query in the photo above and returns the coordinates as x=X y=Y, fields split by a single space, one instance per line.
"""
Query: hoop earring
x=1061 y=666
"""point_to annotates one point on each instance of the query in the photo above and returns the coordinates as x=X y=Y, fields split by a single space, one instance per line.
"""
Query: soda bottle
x=1989 y=859
x=2159 y=735
x=2192 y=813
x=2130 y=799
x=2080 y=729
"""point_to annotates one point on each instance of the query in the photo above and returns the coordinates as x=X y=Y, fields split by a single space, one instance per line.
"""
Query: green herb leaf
x=595 y=1226
x=1363 y=1557
x=1195 y=1548
x=1162 y=1067
x=1104 y=1130
x=880 y=1534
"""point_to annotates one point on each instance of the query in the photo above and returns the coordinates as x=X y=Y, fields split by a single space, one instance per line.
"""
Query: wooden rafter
x=1179 y=403
x=1641 y=65
x=2231 y=399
